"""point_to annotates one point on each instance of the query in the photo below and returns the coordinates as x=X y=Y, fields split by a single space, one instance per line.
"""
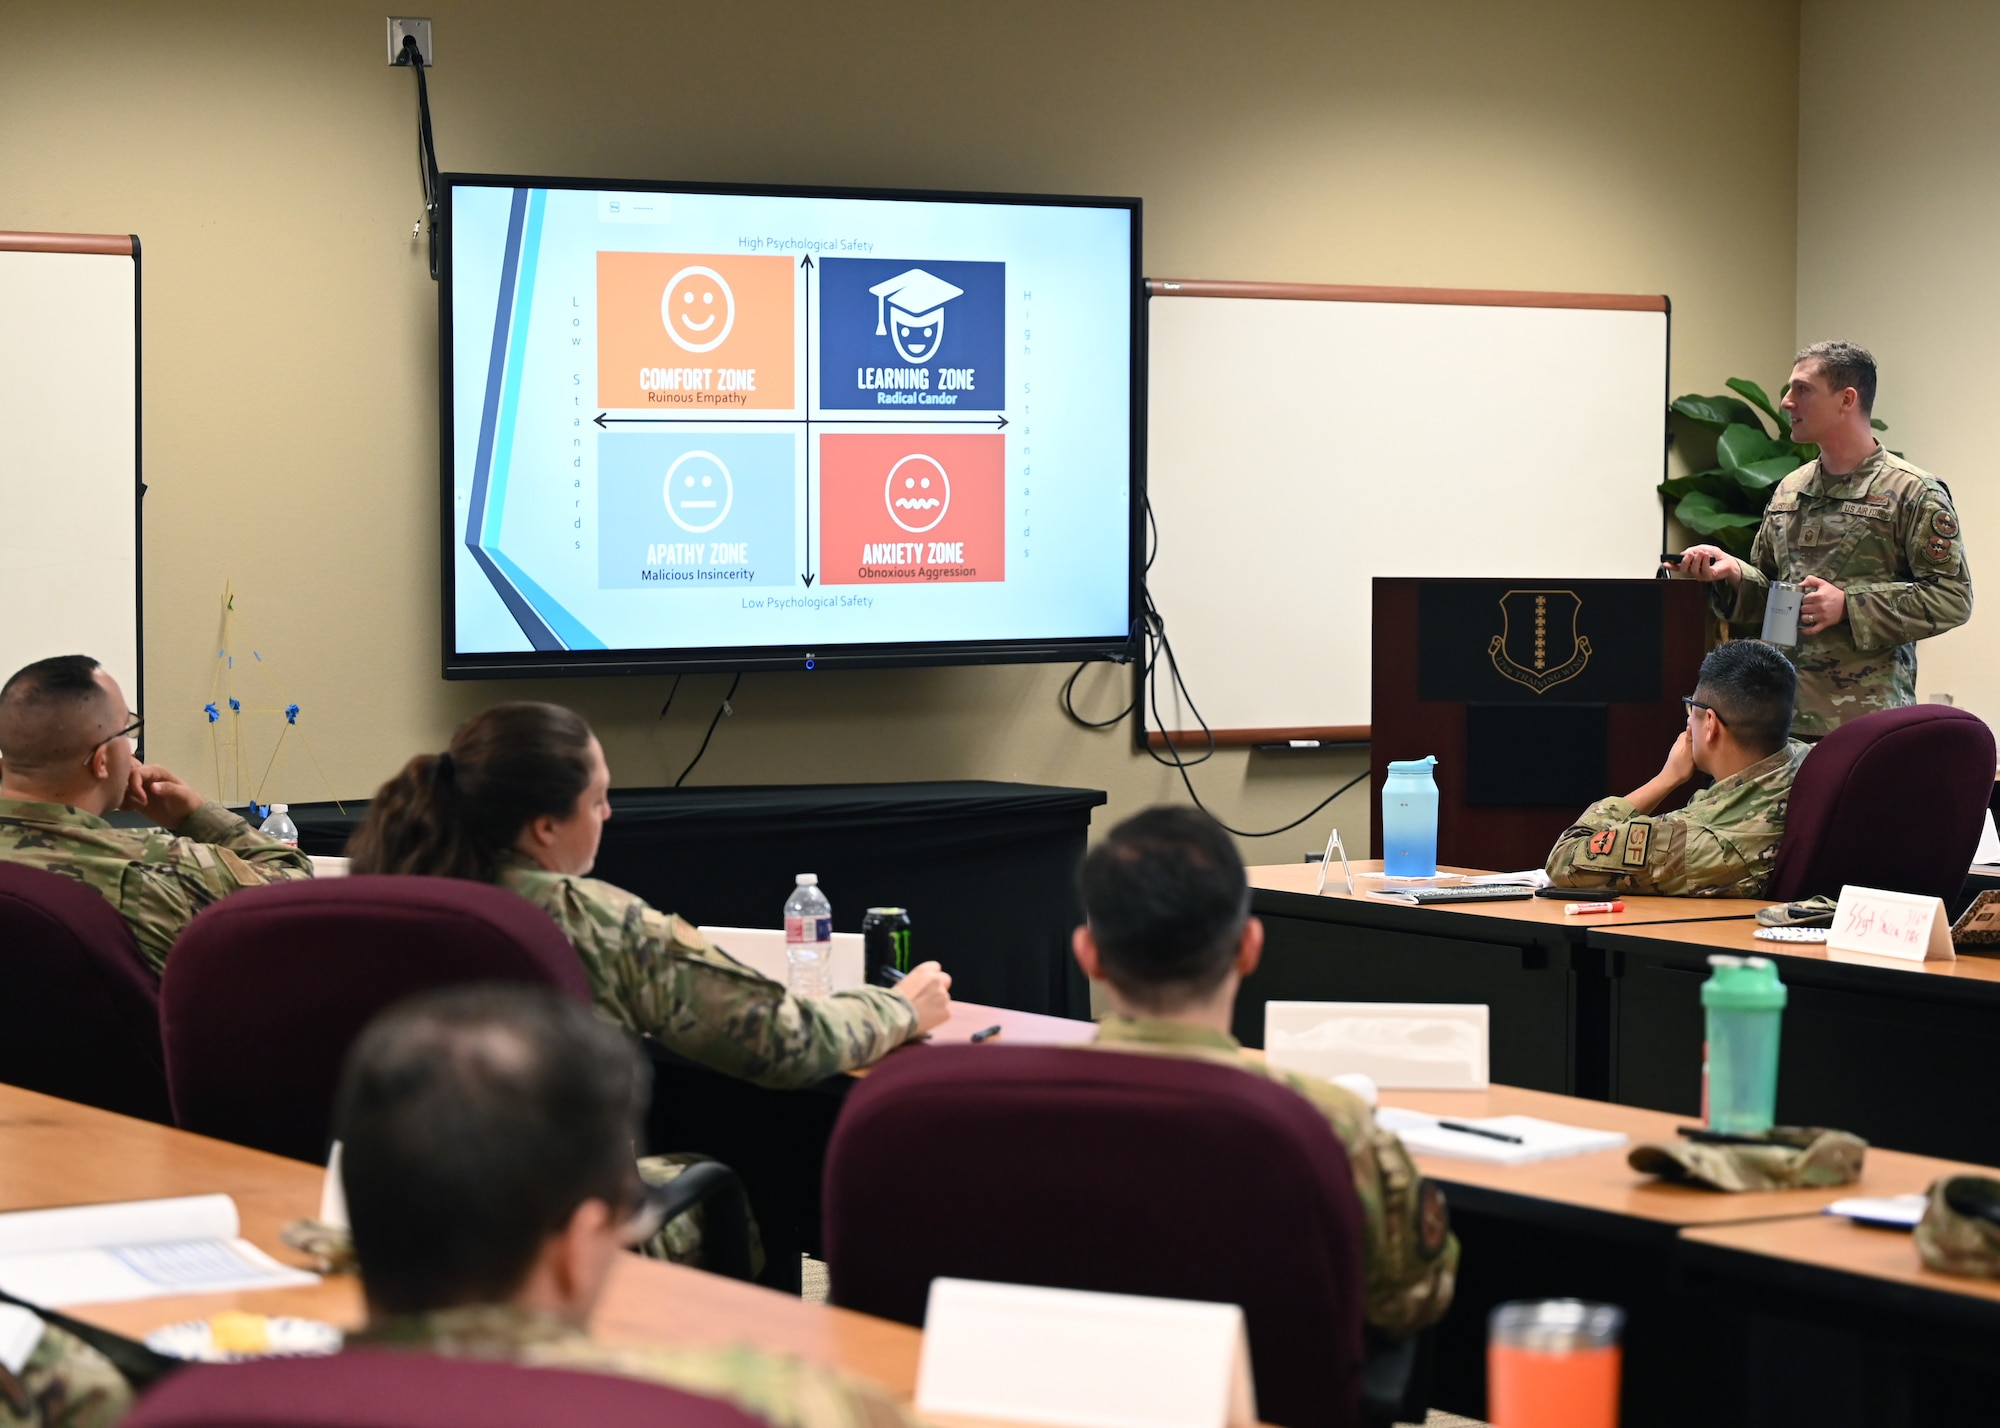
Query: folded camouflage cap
x=1786 y=1158
x=1813 y=912
x=1956 y=1235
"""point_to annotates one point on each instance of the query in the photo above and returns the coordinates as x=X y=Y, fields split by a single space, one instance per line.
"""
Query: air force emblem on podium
x=1538 y=645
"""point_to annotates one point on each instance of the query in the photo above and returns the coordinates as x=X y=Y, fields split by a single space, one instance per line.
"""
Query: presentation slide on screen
x=696 y=421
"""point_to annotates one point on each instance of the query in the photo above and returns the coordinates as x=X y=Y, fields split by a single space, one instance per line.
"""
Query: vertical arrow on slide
x=807 y=574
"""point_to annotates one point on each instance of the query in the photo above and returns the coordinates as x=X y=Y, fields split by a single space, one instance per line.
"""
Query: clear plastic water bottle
x=280 y=826
x=809 y=939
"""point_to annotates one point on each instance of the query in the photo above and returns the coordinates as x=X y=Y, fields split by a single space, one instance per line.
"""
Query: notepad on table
x=1509 y=1140
x=134 y=1249
x=1889 y=1212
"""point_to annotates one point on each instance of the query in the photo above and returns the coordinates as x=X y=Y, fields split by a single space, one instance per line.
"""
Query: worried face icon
x=698 y=309
x=698 y=491
x=917 y=338
x=918 y=493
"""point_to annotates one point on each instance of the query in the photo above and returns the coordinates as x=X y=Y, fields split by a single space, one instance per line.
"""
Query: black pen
x=1464 y=1129
x=1702 y=1135
x=889 y=975
x=986 y=1035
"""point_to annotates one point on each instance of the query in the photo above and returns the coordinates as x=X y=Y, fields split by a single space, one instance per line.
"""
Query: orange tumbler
x=1553 y=1363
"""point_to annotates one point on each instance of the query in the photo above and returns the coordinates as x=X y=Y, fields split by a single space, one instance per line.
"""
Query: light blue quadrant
x=696 y=511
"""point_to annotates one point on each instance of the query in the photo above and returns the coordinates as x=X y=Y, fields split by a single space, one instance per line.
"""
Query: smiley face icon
x=917 y=493
x=698 y=309
x=698 y=491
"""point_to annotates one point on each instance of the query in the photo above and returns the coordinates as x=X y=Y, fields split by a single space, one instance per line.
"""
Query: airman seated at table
x=487 y=1160
x=67 y=758
x=520 y=799
x=1169 y=935
x=1723 y=843
x=49 y=1378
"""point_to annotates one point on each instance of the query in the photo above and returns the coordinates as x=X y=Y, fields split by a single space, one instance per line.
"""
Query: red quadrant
x=912 y=507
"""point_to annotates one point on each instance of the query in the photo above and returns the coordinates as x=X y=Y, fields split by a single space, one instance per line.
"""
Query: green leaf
x=1740 y=445
x=1715 y=413
x=1755 y=393
x=1706 y=515
x=1763 y=475
x=1878 y=423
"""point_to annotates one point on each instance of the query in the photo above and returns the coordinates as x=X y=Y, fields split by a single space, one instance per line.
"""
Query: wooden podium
x=1537 y=697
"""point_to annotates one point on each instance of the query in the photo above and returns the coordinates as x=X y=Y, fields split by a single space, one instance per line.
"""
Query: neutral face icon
x=918 y=493
x=698 y=309
x=698 y=491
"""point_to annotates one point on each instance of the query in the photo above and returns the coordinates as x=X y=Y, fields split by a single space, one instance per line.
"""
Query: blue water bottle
x=1410 y=819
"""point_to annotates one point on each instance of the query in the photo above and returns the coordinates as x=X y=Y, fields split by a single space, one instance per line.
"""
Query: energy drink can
x=885 y=942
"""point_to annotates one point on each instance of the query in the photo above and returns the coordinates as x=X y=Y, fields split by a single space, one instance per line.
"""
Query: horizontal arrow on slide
x=604 y=419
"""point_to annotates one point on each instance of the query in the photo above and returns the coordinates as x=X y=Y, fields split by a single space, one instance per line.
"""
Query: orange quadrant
x=912 y=507
x=694 y=332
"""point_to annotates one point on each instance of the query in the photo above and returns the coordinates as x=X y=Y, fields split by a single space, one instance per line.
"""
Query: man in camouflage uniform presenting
x=1873 y=540
x=1169 y=935
x=1723 y=843
x=67 y=759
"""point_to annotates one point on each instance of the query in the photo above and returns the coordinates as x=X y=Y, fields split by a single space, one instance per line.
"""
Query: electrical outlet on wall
x=418 y=30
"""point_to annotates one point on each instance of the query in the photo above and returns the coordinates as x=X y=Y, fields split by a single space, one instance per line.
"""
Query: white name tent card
x=763 y=949
x=1401 y=1046
x=1066 y=1356
x=1891 y=924
x=137 y=1249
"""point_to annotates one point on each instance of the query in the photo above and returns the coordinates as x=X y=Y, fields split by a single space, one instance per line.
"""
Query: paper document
x=1531 y=1140
x=138 y=1249
x=1533 y=877
x=1888 y=1211
x=1989 y=842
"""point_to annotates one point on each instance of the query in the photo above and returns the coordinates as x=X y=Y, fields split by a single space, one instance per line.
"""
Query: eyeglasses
x=1693 y=703
x=130 y=731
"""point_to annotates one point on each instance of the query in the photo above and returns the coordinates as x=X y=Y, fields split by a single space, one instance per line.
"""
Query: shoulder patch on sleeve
x=1601 y=845
x=1433 y=1220
x=1638 y=838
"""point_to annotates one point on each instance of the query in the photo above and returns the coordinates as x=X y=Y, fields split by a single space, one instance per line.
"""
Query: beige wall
x=1899 y=246
x=264 y=154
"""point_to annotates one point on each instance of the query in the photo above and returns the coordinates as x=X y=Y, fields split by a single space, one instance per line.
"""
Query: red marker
x=1584 y=909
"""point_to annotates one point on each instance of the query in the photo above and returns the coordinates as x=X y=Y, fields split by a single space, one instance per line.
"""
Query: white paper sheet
x=134 y=1249
x=1901 y=1210
x=763 y=949
x=1539 y=1139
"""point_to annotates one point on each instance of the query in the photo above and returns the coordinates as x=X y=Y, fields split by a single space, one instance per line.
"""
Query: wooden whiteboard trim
x=115 y=244
x=1455 y=297
x=1243 y=738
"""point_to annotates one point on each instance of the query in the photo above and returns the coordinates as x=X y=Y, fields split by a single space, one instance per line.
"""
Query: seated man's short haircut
x=1752 y=687
x=1166 y=899
x=50 y=711
x=474 y=1121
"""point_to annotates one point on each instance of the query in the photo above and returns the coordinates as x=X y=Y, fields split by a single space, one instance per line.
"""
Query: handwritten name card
x=1891 y=924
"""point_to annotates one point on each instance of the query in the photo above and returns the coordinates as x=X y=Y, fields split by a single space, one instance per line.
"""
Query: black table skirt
x=987 y=870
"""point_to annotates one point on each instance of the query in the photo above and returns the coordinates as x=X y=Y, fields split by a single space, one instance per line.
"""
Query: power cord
x=1153 y=649
x=427 y=166
x=720 y=710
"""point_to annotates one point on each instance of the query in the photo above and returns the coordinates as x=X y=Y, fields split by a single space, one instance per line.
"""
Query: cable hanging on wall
x=427 y=166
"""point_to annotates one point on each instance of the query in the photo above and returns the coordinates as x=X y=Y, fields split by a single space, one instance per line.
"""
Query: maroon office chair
x=79 y=1007
x=267 y=989
x=377 y=1388
x=1895 y=799
x=1123 y=1173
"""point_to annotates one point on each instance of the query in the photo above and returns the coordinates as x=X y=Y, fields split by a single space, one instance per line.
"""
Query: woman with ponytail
x=519 y=798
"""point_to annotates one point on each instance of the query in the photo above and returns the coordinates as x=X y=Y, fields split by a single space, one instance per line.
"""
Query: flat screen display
x=702 y=428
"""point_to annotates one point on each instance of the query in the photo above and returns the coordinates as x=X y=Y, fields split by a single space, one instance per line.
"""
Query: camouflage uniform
x=156 y=879
x=784 y=1391
x=62 y=1383
x=655 y=975
x=1888 y=537
x=1721 y=845
x=1411 y=1253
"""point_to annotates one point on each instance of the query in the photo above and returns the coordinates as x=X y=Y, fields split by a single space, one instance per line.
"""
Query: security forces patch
x=1602 y=844
x=1944 y=523
x=1433 y=1220
x=1637 y=838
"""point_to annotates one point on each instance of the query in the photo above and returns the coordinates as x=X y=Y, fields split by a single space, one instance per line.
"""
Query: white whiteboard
x=69 y=451
x=1300 y=446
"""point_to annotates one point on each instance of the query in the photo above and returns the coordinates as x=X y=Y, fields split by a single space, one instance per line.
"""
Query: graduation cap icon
x=909 y=308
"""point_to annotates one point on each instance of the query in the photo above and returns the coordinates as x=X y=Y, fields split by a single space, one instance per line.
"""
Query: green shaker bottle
x=1745 y=1002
